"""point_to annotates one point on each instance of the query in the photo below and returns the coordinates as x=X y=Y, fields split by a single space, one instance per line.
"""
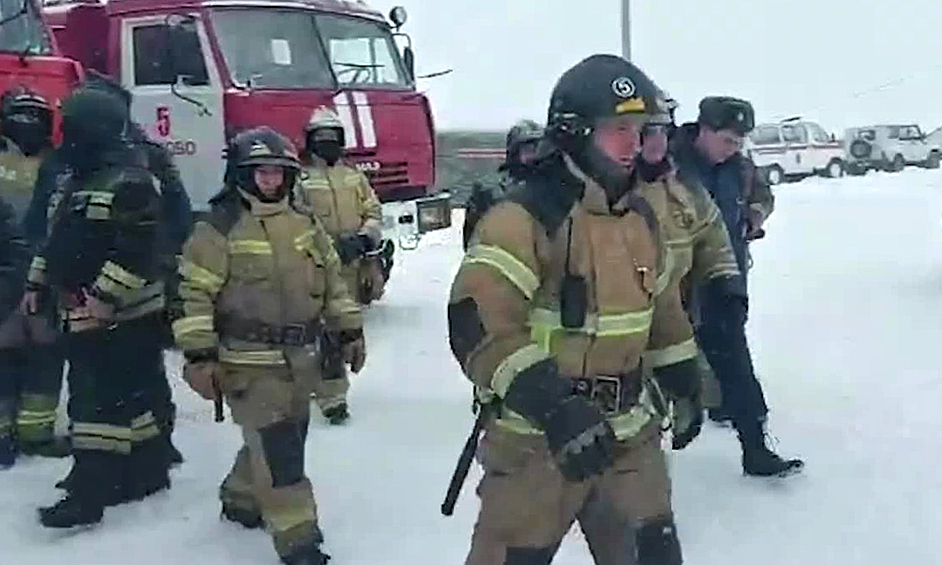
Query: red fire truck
x=201 y=71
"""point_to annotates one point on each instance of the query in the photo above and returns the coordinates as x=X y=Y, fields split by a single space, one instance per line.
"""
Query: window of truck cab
x=362 y=52
x=271 y=48
x=159 y=62
x=23 y=31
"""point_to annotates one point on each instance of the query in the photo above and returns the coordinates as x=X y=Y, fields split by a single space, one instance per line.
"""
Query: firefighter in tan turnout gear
x=692 y=224
x=31 y=353
x=259 y=283
x=340 y=196
x=564 y=286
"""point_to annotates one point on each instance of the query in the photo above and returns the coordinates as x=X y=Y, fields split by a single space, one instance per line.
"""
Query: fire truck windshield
x=285 y=49
x=21 y=29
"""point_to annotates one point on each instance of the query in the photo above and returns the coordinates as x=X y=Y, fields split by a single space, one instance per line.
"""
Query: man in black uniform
x=177 y=219
x=709 y=152
x=102 y=259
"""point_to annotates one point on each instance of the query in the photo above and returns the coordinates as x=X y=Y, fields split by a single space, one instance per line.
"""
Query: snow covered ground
x=847 y=299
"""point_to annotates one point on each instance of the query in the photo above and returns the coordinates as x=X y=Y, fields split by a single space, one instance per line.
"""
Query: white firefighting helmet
x=324 y=124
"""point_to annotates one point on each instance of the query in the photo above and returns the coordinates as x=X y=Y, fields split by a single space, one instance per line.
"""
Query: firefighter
x=708 y=152
x=14 y=256
x=32 y=360
x=177 y=219
x=564 y=285
x=520 y=145
x=259 y=283
x=340 y=196
x=101 y=262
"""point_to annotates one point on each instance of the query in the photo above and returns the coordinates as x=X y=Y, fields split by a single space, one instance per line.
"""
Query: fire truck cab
x=200 y=71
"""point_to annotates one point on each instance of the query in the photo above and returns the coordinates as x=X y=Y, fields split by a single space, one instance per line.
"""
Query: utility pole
x=626 y=29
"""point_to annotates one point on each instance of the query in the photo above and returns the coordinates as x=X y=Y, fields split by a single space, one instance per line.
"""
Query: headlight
x=434 y=214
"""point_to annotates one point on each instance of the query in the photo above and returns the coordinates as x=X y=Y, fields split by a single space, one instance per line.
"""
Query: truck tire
x=933 y=160
x=774 y=175
x=835 y=169
x=860 y=149
x=897 y=164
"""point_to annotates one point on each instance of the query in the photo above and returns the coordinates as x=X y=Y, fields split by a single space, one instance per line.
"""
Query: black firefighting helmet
x=261 y=146
x=597 y=88
x=93 y=117
x=26 y=119
x=522 y=133
x=726 y=112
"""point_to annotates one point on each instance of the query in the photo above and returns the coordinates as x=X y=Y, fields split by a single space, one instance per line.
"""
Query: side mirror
x=408 y=57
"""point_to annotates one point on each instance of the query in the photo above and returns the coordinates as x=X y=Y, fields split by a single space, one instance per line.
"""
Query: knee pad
x=656 y=543
x=530 y=555
x=284 y=452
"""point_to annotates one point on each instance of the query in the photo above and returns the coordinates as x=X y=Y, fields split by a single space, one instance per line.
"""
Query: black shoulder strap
x=548 y=199
x=224 y=213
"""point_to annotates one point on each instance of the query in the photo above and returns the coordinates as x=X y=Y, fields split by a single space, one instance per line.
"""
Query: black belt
x=259 y=332
x=610 y=393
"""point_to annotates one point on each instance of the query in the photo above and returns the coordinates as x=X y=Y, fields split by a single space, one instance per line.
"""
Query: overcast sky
x=824 y=59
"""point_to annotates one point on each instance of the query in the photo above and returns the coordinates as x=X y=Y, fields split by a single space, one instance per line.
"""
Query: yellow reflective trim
x=100 y=198
x=625 y=425
x=511 y=365
x=544 y=322
x=263 y=357
x=95 y=443
x=192 y=324
x=118 y=273
x=305 y=241
x=515 y=270
x=101 y=430
x=283 y=521
x=250 y=246
x=27 y=418
x=200 y=276
x=664 y=278
x=671 y=354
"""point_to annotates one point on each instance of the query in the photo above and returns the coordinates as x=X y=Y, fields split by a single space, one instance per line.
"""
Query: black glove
x=579 y=437
x=681 y=382
x=723 y=303
x=349 y=248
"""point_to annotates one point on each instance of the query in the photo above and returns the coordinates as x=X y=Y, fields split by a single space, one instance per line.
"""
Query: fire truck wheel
x=774 y=175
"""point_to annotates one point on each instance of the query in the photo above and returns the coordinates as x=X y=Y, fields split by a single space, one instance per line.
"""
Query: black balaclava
x=30 y=130
x=326 y=144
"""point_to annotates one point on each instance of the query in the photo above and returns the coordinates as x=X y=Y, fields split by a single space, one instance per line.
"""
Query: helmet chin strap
x=615 y=178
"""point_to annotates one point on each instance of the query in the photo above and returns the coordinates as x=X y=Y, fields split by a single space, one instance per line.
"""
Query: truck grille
x=390 y=175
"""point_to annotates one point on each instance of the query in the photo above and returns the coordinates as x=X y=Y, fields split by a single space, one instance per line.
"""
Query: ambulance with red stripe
x=200 y=71
x=793 y=149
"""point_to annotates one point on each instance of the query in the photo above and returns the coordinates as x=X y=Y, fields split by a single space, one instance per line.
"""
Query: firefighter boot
x=338 y=414
x=94 y=479
x=7 y=452
x=306 y=555
x=251 y=519
x=760 y=461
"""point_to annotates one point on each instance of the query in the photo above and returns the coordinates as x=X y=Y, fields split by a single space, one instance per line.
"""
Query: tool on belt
x=464 y=460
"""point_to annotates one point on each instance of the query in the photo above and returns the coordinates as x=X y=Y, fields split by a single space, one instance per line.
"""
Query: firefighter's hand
x=756 y=219
x=687 y=421
x=201 y=376
x=98 y=308
x=30 y=303
x=353 y=349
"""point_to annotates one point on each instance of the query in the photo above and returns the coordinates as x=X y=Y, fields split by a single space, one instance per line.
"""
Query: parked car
x=793 y=149
x=889 y=148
